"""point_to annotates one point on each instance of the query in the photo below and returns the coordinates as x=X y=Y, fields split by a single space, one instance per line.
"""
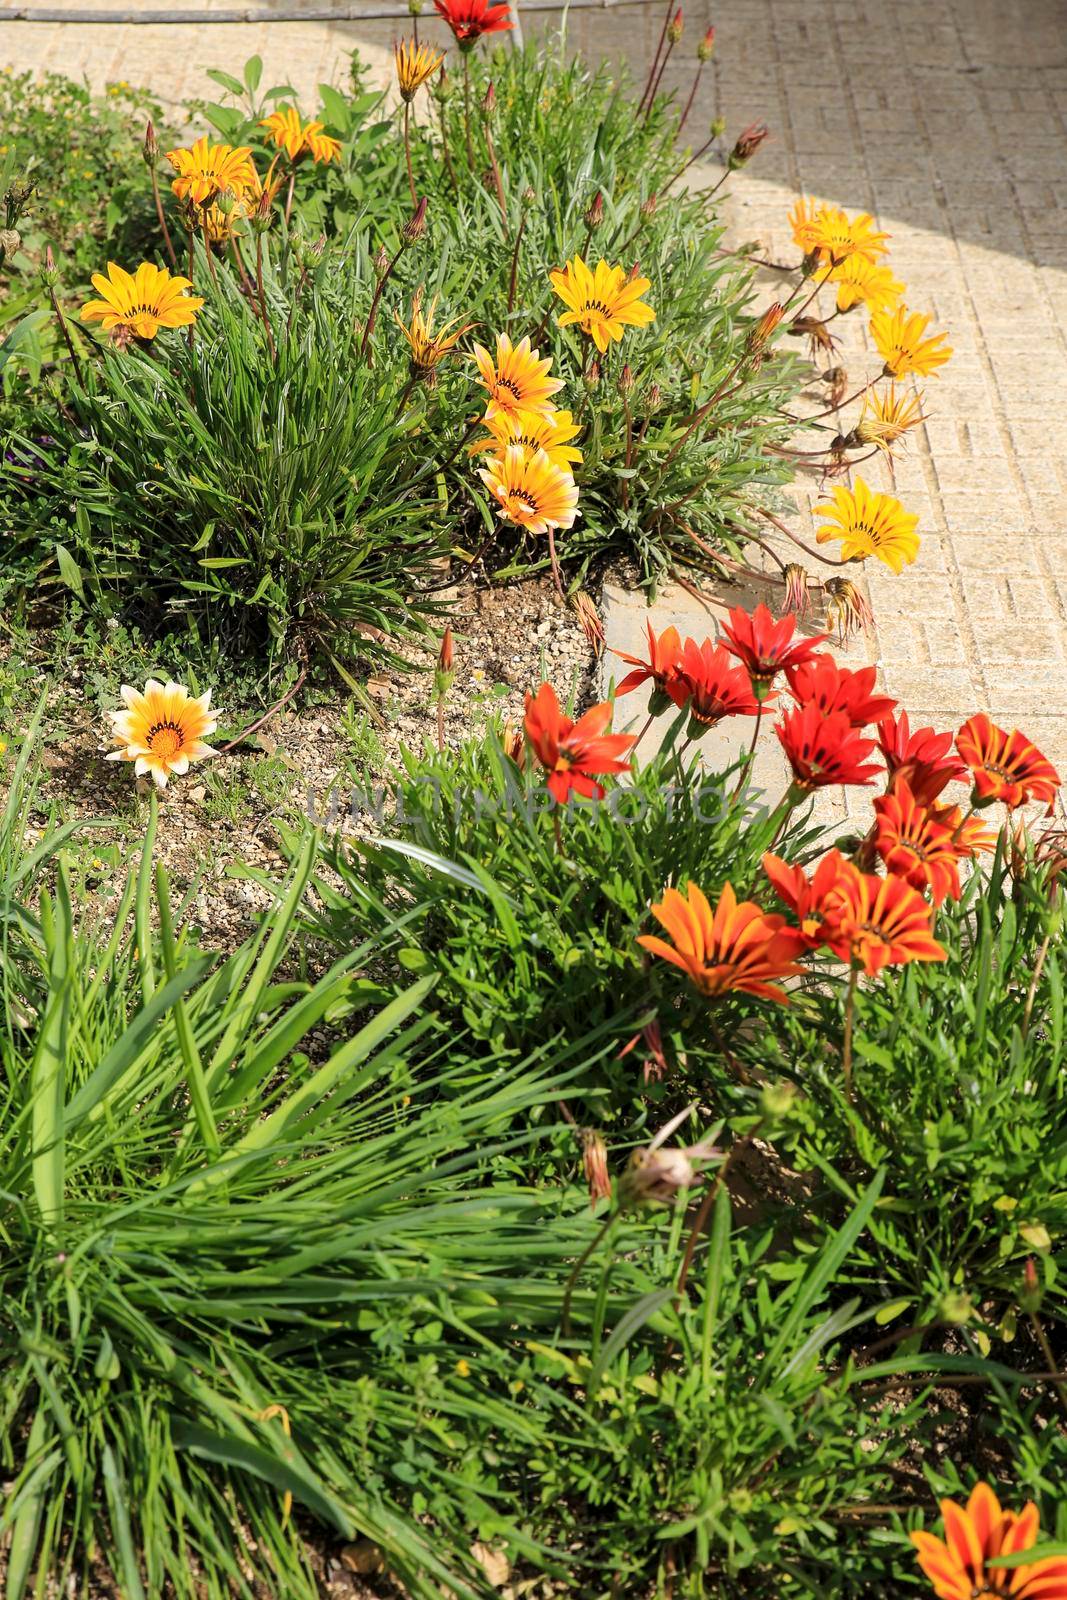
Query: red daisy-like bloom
x=761 y=643
x=469 y=19
x=664 y=667
x=824 y=750
x=878 y=922
x=573 y=753
x=736 y=946
x=1005 y=766
x=806 y=897
x=715 y=687
x=821 y=682
x=915 y=845
x=924 y=757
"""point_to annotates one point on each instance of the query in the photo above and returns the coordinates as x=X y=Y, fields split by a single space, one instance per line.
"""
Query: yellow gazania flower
x=162 y=729
x=148 y=300
x=205 y=169
x=886 y=417
x=517 y=380
x=898 y=336
x=532 y=492
x=549 y=431
x=601 y=302
x=836 y=236
x=802 y=221
x=428 y=347
x=869 y=524
x=298 y=138
x=414 y=64
x=859 y=279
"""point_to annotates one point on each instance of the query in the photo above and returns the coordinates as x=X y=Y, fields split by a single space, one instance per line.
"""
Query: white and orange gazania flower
x=517 y=380
x=550 y=431
x=530 y=490
x=162 y=729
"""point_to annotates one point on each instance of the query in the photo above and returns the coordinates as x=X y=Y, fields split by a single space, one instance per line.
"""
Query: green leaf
x=69 y=570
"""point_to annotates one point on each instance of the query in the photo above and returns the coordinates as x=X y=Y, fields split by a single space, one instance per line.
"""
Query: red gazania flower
x=806 y=897
x=664 y=667
x=824 y=750
x=715 y=687
x=469 y=19
x=915 y=845
x=970 y=832
x=736 y=946
x=1005 y=766
x=572 y=753
x=924 y=757
x=821 y=682
x=877 y=922
x=761 y=643
x=975 y=1534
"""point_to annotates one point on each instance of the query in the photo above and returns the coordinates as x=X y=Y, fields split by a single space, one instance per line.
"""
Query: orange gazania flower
x=877 y=922
x=736 y=946
x=428 y=348
x=299 y=139
x=716 y=687
x=206 y=169
x=868 y=523
x=887 y=417
x=574 y=754
x=821 y=682
x=664 y=667
x=162 y=729
x=531 y=491
x=145 y=301
x=806 y=897
x=975 y=1534
x=836 y=236
x=916 y=845
x=517 y=380
x=603 y=302
x=858 y=278
x=898 y=336
x=415 y=63
x=802 y=221
x=824 y=750
x=550 y=431
x=1005 y=766
x=924 y=757
x=762 y=644
x=469 y=19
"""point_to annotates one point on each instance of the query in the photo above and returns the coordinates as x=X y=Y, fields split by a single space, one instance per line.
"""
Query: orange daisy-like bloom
x=550 y=431
x=977 y=1533
x=764 y=645
x=663 y=667
x=898 y=336
x=603 y=302
x=299 y=139
x=149 y=299
x=206 y=169
x=162 y=729
x=869 y=523
x=887 y=416
x=824 y=750
x=861 y=281
x=415 y=63
x=821 y=682
x=877 y=922
x=916 y=845
x=970 y=833
x=924 y=757
x=735 y=947
x=1005 y=766
x=716 y=687
x=428 y=348
x=574 y=754
x=531 y=491
x=802 y=221
x=806 y=897
x=517 y=380
x=836 y=236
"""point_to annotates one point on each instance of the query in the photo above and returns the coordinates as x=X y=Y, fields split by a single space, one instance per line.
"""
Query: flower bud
x=635 y=271
x=594 y=216
x=748 y=142
x=381 y=262
x=1031 y=1293
x=10 y=241
x=446 y=653
x=415 y=8
x=955 y=1308
x=415 y=227
x=489 y=100
x=675 y=26
x=706 y=47
x=225 y=200
x=49 y=272
x=529 y=198
x=263 y=215
x=758 y=335
x=150 y=148
x=592 y=376
x=441 y=86
x=649 y=207
x=595 y=1167
x=653 y=397
x=777 y=1101
x=627 y=382
x=718 y=127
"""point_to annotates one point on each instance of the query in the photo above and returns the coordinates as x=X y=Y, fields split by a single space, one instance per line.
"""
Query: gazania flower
x=821 y=682
x=977 y=1533
x=887 y=416
x=1005 y=766
x=806 y=897
x=898 y=336
x=762 y=643
x=716 y=687
x=736 y=946
x=531 y=491
x=802 y=221
x=877 y=922
x=427 y=347
x=663 y=667
x=162 y=729
x=550 y=431
x=860 y=280
x=206 y=169
x=574 y=754
x=517 y=380
x=924 y=757
x=148 y=300
x=824 y=750
x=299 y=139
x=469 y=19
x=915 y=845
x=869 y=524
x=970 y=834
x=415 y=63
x=602 y=302
x=836 y=236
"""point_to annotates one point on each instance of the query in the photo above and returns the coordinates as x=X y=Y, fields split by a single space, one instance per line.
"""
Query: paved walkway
x=948 y=120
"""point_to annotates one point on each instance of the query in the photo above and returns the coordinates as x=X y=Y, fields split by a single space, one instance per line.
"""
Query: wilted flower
x=427 y=347
x=594 y=215
x=595 y=1166
x=748 y=142
x=846 y=609
x=415 y=64
x=796 y=598
x=656 y=1173
x=589 y=621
